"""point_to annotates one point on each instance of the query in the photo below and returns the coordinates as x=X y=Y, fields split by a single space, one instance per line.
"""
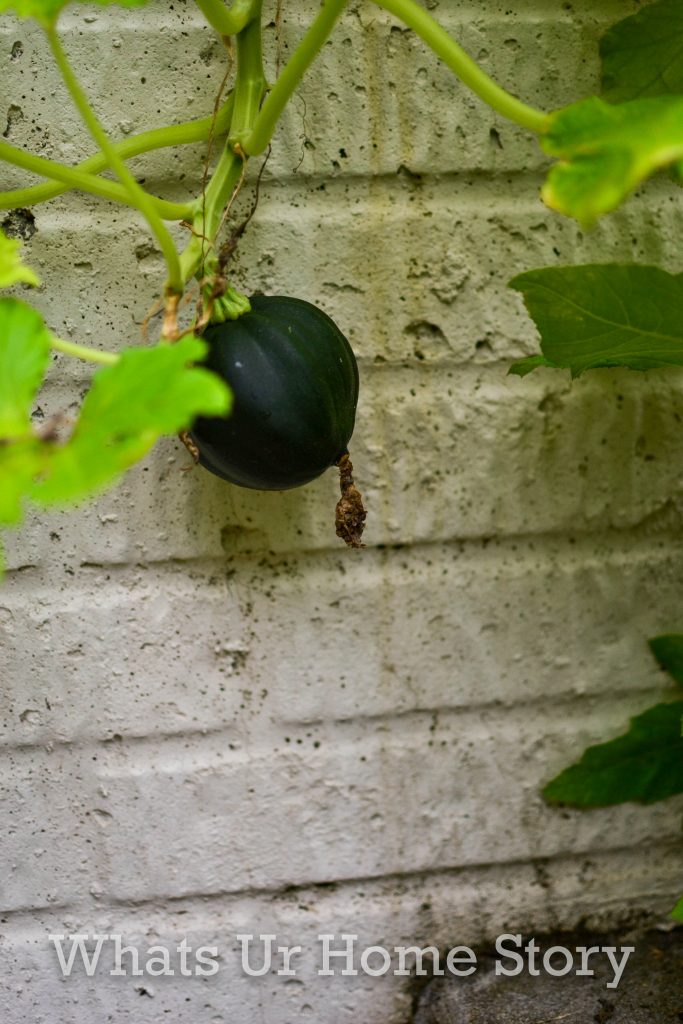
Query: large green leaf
x=147 y=393
x=530 y=363
x=645 y=764
x=643 y=54
x=677 y=912
x=606 y=151
x=12 y=270
x=668 y=650
x=46 y=11
x=24 y=354
x=20 y=462
x=606 y=315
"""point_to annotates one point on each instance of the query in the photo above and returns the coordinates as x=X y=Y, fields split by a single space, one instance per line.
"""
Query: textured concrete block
x=313 y=805
x=214 y=718
x=441 y=909
x=94 y=660
x=440 y=455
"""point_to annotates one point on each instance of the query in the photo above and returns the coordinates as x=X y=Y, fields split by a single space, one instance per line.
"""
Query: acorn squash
x=294 y=380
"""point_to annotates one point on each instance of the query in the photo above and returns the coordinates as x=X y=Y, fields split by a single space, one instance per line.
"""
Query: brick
x=442 y=909
x=92 y=655
x=439 y=628
x=587 y=457
x=430 y=630
x=442 y=253
x=413 y=794
x=358 y=806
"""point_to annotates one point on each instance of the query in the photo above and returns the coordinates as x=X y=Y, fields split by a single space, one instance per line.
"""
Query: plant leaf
x=12 y=270
x=147 y=393
x=643 y=54
x=527 y=365
x=606 y=151
x=20 y=462
x=677 y=912
x=645 y=764
x=24 y=354
x=668 y=650
x=46 y=11
x=606 y=315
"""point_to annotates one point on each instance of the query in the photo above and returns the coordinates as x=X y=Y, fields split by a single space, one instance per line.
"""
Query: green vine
x=90 y=355
x=469 y=72
x=75 y=177
x=136 y=145
x=137 y=194
x=257 y=140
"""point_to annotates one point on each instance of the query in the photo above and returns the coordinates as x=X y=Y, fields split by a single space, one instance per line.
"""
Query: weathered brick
x=310 y=805
x=441 y=254
x=440 y=454
x=433 y=629
x=92 y=656
x=442 y=909
x=376 y=98
x=214 y=719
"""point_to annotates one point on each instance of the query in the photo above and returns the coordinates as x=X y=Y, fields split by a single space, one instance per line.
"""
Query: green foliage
x=20 y=462
x=605 y=315
x=606 y=151
x=677 y=912
x=24 y=355
x=668 y=650
x=12 y=270
x=147 y=393
x=645 y=764
x=47 y=11
x=642 y=55
x=530 y=363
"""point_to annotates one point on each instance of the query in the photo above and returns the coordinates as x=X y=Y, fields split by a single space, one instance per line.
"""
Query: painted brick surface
x=446 y=907
x=214 y=718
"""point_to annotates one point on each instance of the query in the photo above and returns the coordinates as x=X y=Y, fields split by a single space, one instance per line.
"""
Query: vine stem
x=220 y=189
x=469 y=72
x=290 y=77
x=92 y=355
x=73 y=177
x=139 y=197
x=250 y=82
x=226 y=21
x=144 y=142
x=250 y=86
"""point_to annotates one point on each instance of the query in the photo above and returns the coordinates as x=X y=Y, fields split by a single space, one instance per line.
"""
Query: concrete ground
x=650 y=990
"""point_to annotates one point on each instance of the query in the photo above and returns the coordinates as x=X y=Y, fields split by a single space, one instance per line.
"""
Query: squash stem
x=290 y=77
x=250 y=83
x=144 y=142
x=74 y=177
x=139 y=197
x=91 y=355
x=453 y=55
x=250 y=86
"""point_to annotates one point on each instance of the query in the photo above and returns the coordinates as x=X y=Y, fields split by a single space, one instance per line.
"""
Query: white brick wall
x=214 y=718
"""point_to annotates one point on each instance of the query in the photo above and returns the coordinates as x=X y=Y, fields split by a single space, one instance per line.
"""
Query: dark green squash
x=294 y=380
